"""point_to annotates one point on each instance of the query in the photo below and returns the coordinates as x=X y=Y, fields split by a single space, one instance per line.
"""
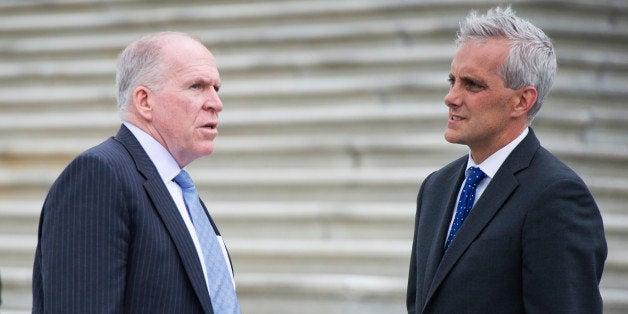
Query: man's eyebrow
x=204 y=81
x=473 y=80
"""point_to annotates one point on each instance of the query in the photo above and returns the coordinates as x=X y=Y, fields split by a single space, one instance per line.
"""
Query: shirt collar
x=495 y=161
x=166 y=165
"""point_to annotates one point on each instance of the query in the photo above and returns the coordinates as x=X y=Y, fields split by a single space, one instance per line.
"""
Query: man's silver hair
x=531 y=60
x=140 y=64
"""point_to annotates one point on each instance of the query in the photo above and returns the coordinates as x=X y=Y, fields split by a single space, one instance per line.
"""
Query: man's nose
x=213 y=101
x=453 y=97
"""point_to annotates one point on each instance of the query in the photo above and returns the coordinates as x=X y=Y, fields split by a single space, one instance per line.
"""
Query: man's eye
x=196 y=86
x=475 y=86
x=451 y=81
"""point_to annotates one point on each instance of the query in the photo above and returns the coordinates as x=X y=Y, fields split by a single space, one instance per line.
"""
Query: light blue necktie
x=222 y=291
x=467 y=197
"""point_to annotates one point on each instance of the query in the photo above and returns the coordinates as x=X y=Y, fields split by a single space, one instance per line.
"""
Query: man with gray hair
x=507 y=228
x=123 y=229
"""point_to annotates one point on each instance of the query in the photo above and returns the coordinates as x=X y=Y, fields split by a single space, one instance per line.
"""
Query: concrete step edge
x=297 y=115
x=281 y=88
x=331 y=285
x=206 y=178
x=277 y=34
x=251 y=35
x=415 y=55
x=139 y=15
x=615 y=298
x=288 y=283
x=45 y=147
x=241 y=248
x=313 y=58
x=284 y=210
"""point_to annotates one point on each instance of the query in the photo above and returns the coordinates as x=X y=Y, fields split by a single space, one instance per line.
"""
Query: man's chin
x=451 y=137
x=207 y=151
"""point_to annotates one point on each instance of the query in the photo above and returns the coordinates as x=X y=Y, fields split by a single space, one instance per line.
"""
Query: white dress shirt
x=489 y=167
x=168 y=168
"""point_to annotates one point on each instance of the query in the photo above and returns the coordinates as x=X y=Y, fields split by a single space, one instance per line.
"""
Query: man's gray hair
x=140 y=64
x=531 y=60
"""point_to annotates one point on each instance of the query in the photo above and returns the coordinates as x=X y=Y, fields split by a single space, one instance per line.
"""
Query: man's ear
x=526 y=99
x=142 y=103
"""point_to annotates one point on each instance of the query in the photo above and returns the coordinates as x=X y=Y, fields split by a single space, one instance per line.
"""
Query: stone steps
x=263 y=37
x=405 y=145
x=333 y=116
x=257 y=259
x=267 y=220
x=278 y=255
x=253 y=37
x=321 y=293
x=373 y=257
x=269 y=293
x=272 y=254
x=128 y=15
x=16 y=289
x=295 y=293
x=416 y=149
x=30 y=101
x=270 y=275
x=326 y=120
x=386 y=257
x=296 y=220
x=305 y=184
x=316 y=61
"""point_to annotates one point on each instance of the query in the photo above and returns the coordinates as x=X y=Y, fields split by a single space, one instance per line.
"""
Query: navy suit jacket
x=111 y=239
x=533 y=242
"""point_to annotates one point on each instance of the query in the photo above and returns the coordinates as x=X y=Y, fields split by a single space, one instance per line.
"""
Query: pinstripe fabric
x=111 y=239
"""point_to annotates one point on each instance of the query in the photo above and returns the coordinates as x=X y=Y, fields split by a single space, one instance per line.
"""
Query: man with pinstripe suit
x=115 y=235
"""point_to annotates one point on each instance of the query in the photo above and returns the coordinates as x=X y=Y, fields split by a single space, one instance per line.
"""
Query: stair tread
x=322 y=150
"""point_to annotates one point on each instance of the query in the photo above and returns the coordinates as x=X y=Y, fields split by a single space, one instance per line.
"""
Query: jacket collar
x=167 y=210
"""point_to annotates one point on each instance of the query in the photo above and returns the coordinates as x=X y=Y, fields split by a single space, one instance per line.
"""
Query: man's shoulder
x=547 y=164
x=110 y=149
x=105 y=162
x=545 y=170
x=109 y=153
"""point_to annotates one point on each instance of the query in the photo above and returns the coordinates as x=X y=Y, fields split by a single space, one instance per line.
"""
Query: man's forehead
x=197 y=60
x=488 y=54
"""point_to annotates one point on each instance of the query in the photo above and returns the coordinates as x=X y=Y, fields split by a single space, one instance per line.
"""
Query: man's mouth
x=455 y=118
x=211 y=125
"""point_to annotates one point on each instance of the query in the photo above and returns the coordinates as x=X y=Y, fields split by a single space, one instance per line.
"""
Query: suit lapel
x=448 y=187
x=491 y=201
x=167 y=210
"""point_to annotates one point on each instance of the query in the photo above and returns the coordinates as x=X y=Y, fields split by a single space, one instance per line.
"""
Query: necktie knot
x=475 y=176
x=184 y=180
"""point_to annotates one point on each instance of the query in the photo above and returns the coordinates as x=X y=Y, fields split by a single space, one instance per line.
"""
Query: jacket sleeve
x=80 y=262
x=412 y=289
x=564 y=250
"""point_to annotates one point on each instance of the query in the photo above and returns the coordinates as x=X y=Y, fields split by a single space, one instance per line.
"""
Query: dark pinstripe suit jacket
x=533 y=242
x=111 y=239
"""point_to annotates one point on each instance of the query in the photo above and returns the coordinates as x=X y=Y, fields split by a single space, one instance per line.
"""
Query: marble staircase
x=333 y=117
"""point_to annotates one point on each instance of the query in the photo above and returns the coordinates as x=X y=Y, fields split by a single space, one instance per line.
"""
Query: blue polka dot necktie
x=467 y=197
x=220 y=285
